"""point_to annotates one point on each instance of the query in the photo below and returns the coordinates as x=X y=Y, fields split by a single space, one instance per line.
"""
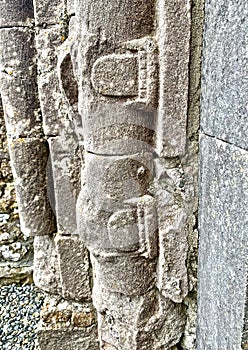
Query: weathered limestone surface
x=136 y=258
x=65 y=165
x=224 y=180
x=15 y=248
x=67 y=325
x=16 y=13
x=18 y=82
x=73 y=261
x=30 y=157
x=112 y=80
x=54 y=113
x=223 y=245
x=58 y=97
x=28 y=149
x=46 y=267
x=61 y=263
x=66 y=340
x=225 y=90
x=49 y=12
x=174 y=21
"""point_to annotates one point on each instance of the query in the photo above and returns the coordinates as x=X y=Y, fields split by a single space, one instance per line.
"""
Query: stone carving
x=106 y=115
x=123 y=211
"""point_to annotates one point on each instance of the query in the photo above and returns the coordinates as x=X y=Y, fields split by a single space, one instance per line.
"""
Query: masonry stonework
x=101 y=102
x=222 y=289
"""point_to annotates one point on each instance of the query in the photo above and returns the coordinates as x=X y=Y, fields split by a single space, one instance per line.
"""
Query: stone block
x=172 y=278
x=67 y=325
x=122 y=319
x=175 y=200
x=49 y=12
x=113 y=124
x=46 y=269
x=123 y=230
x=52 y=101
x=222 y=272
x=135 y=228
x=65 y=164
x=16 y=13
x=224 y=87
x=76 y=339
x=126 y=274
x=29 y=163
x=19 y=91
x=73 y=260
x=174 y=27
x=58 y=313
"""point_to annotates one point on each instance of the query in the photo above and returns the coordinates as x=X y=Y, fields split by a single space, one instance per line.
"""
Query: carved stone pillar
x=131 y=63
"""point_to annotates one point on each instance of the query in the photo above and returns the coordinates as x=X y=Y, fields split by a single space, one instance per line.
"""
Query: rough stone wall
x=25 y=119
x=223 y=179
x=103 y=114
x=101 y=106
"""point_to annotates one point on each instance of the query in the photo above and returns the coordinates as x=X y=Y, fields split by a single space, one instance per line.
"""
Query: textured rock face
x=15 y=247
x=223 y=234
x=224 y=92
x=224 y=177
x=100 y=142
x=67 y=325
x=131 y=211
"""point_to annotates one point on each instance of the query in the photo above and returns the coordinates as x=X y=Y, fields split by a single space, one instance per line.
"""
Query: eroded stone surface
x=133 y=322
x=52 y=102
x=67 y=325
x=174 y=190
x=116 y=75
x=223 y=245
x=16 y=251
x=124 y=274
x=65 y=164
x=73 y=262
x=121 y=126
x=107 y=63
x=172 y=111
x=29 y=157
x=18 y=83
x=16 y=13
x=49 y=12
x=224 y=91
x=46 y=269
x=76 y=339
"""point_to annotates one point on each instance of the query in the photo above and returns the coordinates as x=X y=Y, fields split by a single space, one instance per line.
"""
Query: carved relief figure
x=119 y=62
